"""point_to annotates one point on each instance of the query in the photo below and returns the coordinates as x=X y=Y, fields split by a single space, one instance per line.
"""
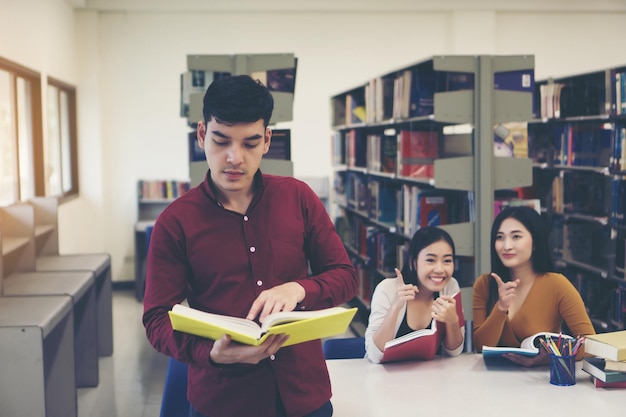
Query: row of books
x=402 y=207
x=580 y=241
x=411 y=153
x=582 y=144
x=583 y=192
x=550 y=100
x=161 y=189
x=607 y=366
x=407 y=154
x=604 y=298
x=591 y=94
x=400 y=95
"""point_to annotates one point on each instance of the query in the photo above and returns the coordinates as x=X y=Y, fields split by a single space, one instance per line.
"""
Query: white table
x=463 y=386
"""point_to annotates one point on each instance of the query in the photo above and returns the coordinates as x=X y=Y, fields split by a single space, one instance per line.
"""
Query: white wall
x=127 y=68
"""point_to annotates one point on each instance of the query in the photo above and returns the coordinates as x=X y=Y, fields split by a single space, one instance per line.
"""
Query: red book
x=417 y=151
x=420 y=344
x=601 y=384
x=432 y=210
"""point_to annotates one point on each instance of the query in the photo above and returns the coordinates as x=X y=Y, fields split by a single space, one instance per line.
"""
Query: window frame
x=70 y=91
x=37 y=124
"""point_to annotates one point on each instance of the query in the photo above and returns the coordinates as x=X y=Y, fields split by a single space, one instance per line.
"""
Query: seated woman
x=522 y=296
x=418 y=296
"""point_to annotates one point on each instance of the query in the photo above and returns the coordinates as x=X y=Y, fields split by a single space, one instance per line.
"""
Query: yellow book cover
x=301 y=326
x=611 y=345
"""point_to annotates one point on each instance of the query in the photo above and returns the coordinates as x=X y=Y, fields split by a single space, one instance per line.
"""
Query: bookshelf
x=418 y=143
x=276 y=71
x=152 y=198
x=579 y=153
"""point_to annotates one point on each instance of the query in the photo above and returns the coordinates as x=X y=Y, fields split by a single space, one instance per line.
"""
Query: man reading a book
x=241 y=244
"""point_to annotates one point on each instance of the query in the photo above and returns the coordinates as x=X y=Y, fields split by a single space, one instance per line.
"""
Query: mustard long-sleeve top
x=551 y=301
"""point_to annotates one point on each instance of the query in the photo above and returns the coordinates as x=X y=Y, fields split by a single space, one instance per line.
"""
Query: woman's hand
x=444 y=310
x=506 y=292
x=404 y=292
x=529 y=361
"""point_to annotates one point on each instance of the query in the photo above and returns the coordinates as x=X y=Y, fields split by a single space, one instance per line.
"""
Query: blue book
x=529 y=346
x=594 y=366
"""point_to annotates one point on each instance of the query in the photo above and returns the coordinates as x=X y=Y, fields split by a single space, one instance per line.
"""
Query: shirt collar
x=210 y=190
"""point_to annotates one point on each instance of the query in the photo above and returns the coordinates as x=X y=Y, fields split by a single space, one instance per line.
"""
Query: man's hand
x=283 y=297
x=225 y=352
x=506 y=292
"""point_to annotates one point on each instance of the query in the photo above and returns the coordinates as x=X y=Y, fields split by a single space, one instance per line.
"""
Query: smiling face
x=435 y=266
x=234 y=153
x=514 y=244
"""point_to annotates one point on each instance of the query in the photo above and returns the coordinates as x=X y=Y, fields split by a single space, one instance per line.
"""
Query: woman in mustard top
x=522 y=296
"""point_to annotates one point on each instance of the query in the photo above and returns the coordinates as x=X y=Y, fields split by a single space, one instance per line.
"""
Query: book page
x=236 y=324
x=413 y=335
x=283 y=317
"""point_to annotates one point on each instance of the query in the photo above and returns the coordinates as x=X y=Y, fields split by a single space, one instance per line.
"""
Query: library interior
x=398 y=115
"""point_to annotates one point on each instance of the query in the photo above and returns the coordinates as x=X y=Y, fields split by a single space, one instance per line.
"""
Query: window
x=20 y=131
x=31 y=163
x=60 y=160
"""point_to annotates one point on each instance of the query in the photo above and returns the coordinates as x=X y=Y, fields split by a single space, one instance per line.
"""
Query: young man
x=240 y=244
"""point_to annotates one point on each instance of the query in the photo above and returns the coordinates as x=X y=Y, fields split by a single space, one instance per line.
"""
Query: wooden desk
x=462 y=386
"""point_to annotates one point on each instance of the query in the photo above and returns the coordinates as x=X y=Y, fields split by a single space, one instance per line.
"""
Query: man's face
x=234 y=152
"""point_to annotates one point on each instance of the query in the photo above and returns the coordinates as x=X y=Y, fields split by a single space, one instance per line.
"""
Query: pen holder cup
x=562 y=370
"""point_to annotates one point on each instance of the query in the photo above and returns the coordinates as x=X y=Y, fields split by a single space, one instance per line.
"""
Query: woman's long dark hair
x=541 y=258
x=424 y=237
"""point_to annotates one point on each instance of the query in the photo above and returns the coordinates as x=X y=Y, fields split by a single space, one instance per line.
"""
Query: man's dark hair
x=237 y=99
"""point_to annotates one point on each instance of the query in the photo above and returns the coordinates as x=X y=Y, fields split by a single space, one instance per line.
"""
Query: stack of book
x=608 y=365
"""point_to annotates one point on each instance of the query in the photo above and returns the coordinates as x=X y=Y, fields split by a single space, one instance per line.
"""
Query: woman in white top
x=419 y=294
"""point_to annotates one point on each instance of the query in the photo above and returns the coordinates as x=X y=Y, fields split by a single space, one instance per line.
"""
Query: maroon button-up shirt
x=220 y=261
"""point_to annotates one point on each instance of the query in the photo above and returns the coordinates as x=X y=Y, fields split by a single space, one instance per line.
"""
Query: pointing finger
x=497 y=278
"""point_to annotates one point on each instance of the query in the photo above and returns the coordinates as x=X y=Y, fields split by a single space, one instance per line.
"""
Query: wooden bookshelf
x=441 y=94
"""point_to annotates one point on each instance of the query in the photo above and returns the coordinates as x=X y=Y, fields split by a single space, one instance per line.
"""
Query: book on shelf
x=420 y=344
x=610 y=345
x=528 y=347
x=601 y=384
x=595 y=367
x=301 y=326
x=417 y=151
x=518 y=80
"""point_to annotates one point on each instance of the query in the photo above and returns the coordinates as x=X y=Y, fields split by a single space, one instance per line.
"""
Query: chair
x=344 y=348
x=174 y=402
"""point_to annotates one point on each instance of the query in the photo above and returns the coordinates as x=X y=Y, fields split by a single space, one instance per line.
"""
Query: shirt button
x=272 y=357
x=252 y=249
x=245 y=218
x=259 y=283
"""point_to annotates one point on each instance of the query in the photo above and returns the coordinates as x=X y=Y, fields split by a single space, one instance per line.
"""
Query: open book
x=301 y=326
x=529 y=346
x=421 y=344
